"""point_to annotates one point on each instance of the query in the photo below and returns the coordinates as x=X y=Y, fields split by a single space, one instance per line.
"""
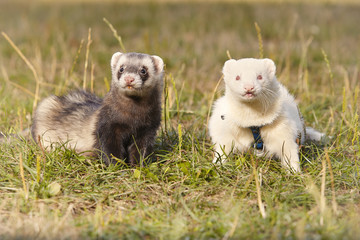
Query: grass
x=63 y=195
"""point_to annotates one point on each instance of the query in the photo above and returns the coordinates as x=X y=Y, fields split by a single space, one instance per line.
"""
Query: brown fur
x=122 y=125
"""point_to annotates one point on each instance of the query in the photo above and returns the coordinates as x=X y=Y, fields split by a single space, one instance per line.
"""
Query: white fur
x=250 y=101
x=80 y=139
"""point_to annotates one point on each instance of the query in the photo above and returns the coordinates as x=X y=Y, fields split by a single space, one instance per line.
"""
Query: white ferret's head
x=249 y=79
x=136 y=74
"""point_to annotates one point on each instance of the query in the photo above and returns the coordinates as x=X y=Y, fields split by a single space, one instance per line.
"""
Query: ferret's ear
x=270 y=67
x=115 y=59
x=228 y=66
x=158 y=62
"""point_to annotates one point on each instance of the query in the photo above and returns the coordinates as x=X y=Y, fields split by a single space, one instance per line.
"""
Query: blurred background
x=315 y=45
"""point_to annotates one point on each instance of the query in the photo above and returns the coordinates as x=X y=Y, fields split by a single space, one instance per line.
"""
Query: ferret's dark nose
x=129 y=79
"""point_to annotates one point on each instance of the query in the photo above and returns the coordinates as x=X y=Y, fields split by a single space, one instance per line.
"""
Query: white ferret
x=256 y=108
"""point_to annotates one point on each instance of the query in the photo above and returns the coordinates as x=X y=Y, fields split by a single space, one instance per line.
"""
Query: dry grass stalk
x=87 y=58
x=74 y=64
x=22 y=175
x=212 y=100
x=28 y=63
x=115 y=34
x=261 y=47
x=228 y=54
x=92 y=78
x=258 y=190
x=322 y=193
x=334 y=204
x=331 y=75
x=7 y=79
x=231 y=232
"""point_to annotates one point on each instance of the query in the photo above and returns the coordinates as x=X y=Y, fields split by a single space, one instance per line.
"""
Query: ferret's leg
x=290 y=156
x=281 y=143
x=110 y=143
x=140 y=148
x=135 y=154
x=288 y=152
x=222 y=136
x=239 y=142
x=110 y=150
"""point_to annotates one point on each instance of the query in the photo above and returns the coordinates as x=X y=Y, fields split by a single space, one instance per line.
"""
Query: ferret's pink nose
x=129 y=79
x=249 y=87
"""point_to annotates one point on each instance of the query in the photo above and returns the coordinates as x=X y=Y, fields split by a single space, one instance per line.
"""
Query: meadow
x=51 y=48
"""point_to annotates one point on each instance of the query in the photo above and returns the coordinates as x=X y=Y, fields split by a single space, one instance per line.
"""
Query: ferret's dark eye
x=237 y=77
x=121 y=70
x=143 y=71
x=259 y=77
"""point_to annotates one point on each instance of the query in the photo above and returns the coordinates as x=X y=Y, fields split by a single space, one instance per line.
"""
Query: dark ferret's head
x=136 y=74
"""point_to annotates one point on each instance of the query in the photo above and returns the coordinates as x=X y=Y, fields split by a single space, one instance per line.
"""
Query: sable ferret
x=123 y=124
x=255 y=104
